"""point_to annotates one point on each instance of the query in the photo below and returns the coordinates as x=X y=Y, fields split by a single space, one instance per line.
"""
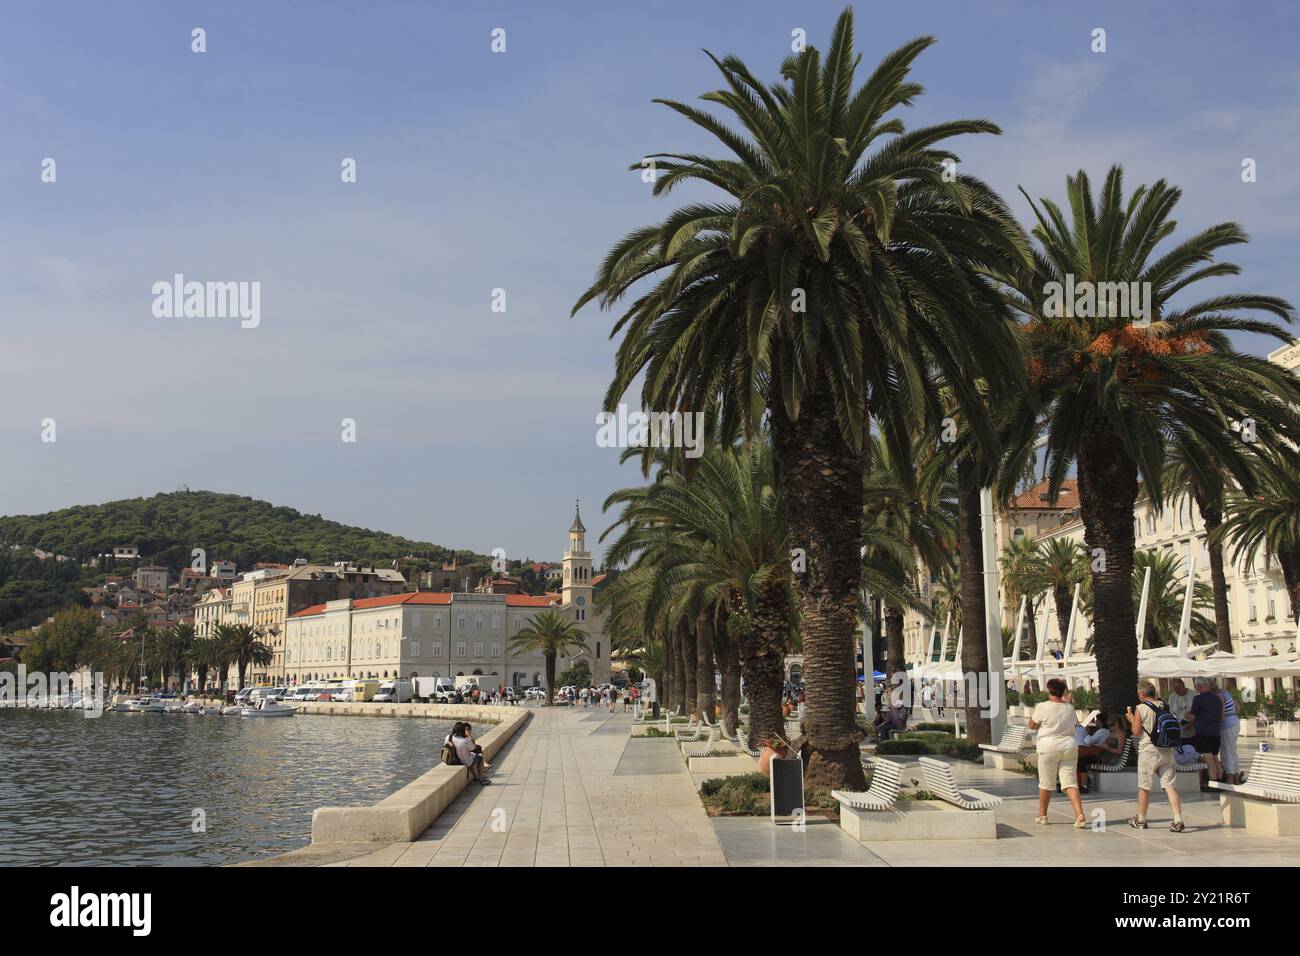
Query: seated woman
x=469 y=753
x=1111 y=749
x=1092 y=744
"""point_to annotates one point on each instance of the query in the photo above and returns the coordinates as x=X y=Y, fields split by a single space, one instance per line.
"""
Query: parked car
x=535 y=693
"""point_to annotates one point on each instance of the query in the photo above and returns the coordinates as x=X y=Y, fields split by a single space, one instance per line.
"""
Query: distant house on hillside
x=124 y=552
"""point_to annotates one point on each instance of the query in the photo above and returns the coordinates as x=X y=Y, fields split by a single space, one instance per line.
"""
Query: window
x=478 y=648
x=496 y=648
x=437 y=620
x=537 y=652
x=519 y=623
x=460 y=621
x=496 y=620
x=478 y=622
x=415 y=620
x=598 y=648
x=1253 y=610
x=460 y=648
x=415 y=648
x=436 y=650
x=1151 y=522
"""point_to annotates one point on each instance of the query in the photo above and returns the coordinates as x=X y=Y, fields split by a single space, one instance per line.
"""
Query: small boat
x=173 y=707
x=267 y=708
x=193 y=707
x=232 y=711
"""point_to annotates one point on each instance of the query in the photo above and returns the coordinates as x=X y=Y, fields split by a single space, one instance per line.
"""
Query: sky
x=477 y=171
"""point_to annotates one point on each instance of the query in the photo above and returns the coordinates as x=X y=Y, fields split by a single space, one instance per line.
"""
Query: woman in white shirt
x=1058 y=750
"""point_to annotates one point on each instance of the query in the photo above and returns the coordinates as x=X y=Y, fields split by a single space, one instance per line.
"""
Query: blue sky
x=479 y=171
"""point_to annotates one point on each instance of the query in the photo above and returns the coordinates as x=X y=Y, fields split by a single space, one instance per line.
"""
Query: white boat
x=232 y=711
x=267 y=708
x=174 y=707
x=193 y=707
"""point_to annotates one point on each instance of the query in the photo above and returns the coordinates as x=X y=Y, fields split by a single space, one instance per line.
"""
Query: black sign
x=787 y=787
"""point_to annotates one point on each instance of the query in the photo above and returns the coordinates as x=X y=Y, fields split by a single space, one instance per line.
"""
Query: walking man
x=1158 y=734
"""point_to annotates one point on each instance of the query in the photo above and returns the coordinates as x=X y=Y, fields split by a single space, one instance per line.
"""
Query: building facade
x=446 y=634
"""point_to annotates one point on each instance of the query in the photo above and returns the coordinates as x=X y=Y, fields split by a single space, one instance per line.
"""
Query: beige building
x=445 y=634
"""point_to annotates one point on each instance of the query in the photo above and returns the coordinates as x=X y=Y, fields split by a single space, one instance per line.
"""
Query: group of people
x=1190 y=727
x=603 y=696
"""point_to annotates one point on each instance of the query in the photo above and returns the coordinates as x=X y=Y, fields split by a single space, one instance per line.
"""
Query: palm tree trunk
x=821 y=478
x=761 y=649
x=894 y=656
x=1108 y=489
x=705 y=682
x=679 y=671
x=877 y=630
x=688 y=643
x=974 y=640
x=1290 y=562
x=1064 y=601
x=1213 y=516
x=729 y=664
x=667 y=691
x=550 y=679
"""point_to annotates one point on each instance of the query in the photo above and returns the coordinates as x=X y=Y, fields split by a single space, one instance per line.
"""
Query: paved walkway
x=574 y=789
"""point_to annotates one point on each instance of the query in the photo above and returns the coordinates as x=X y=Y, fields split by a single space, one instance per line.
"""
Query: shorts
x=1154 y=763
x=1058 y=766
x=1205 y=744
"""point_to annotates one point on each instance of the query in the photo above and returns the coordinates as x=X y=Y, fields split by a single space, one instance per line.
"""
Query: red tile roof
x=1033 y=498
x=427 y=598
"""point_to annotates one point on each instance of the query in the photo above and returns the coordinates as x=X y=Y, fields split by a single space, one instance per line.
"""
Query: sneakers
x=1040 y=820
x=1177 y=826
x=1136 y=823
x=1081 y=823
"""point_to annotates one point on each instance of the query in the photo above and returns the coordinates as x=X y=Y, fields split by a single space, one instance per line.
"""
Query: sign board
x=786 y=786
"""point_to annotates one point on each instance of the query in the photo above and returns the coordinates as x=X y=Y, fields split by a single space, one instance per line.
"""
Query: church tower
x=577 y=591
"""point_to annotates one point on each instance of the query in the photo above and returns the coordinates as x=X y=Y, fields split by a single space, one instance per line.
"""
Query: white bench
x=939 y=780
x=1006 y=753
x=706 y=748
x=1269 y=800
x=1121 y=776
x=886 y=782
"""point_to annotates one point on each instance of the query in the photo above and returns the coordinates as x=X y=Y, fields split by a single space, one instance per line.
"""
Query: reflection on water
x=123 y=788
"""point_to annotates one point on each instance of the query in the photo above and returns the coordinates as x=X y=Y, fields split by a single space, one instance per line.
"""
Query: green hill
x=166 y=528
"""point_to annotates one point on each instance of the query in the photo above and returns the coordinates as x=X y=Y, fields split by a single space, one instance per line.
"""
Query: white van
x=436 y=689
x=394 y=692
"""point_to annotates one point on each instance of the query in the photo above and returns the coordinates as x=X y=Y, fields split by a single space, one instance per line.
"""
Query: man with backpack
x=1158 y=732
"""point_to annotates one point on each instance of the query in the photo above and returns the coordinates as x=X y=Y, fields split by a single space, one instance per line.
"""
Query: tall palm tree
x=716 y=542
x=821 y=288
x=1020 y=564
x=1058 y=567
x=1119 y=391
x=1270 y=519
x=553 y=635
x=204 y=654
x=243 y=646
x=1193 y=471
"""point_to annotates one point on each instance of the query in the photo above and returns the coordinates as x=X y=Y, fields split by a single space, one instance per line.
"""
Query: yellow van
x=365 y=689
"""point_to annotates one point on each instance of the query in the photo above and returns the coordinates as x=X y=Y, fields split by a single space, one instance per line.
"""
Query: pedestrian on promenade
x=1058 y=751
x=1158 y=734
x=1206 y=720
x=1228 y=731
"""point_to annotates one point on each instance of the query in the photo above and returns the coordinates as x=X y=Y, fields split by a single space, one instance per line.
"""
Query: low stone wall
x=474 y=713
x=404 y=815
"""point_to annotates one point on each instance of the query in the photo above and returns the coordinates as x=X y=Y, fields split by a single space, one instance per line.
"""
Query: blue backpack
x=1168 y=731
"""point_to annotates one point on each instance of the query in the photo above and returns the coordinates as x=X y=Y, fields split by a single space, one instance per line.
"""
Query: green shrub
x=942 y=728
x=1013 y=698
x=901 y=747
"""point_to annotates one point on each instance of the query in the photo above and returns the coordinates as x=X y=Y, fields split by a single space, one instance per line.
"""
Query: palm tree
x=1119 y=391
x=553 y=635
x=1020 y=565
x=822 y=289
x=1270 y=519
x=908 y=519
x=716 y=543
x=204 y=654
x=1058 y=568
x=1193 y=471
x=242 y=646
x=1165 y=597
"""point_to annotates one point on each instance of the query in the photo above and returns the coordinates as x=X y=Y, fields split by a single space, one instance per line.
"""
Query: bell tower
x=577 y=570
